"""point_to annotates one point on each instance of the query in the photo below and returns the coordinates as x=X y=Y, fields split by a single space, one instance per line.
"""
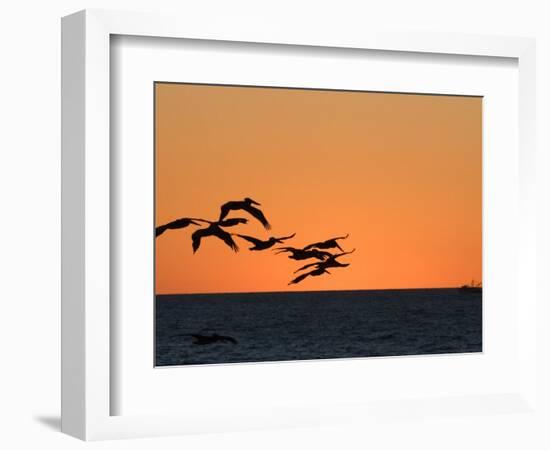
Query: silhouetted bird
x=264 y=245
x=313 y=273
x=329 y=243
x=201 y=339
x=331 y=261
x=179 y=223
x=301 y=254
x=214 y=229
x=245 y=205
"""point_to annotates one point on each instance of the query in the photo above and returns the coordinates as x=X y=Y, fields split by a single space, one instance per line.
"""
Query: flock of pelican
x=318 y=251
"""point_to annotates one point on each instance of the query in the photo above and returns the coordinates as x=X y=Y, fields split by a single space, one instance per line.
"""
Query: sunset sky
x=400 y=173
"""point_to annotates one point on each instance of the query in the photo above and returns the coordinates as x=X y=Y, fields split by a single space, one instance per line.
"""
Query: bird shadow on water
x=51 y=422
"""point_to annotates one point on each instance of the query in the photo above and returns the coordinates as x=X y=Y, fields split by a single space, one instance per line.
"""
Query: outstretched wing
x=336 y=239
x=314 y=245
x=320 y=254
x=278 y=250
x=340 y=237
x=197 y=236
x=258 y=214
x=224 y=210
x=232 y=222
x=251 y=239
x=284 y=238
x=160 y=229
x=176 y=224
x=329 y=243
x=307 y=266
x=300 y=278
x=181 y=223
x=226 y=237
x=342 y=254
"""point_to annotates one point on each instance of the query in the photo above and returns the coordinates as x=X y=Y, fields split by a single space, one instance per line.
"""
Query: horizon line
x=312 y=291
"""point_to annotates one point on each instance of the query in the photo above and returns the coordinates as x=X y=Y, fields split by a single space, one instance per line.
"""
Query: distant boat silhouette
x=264 y=245
x=245 y=205
x=214 y=229
x=301 y=254
x=331 y=261
x=201 y=339
x=329 y=243
x=472 y=288
x=313 y=273
x=176 y=224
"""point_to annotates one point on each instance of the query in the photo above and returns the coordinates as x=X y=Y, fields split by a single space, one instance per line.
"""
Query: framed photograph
x=395 y=174
x=298 y=216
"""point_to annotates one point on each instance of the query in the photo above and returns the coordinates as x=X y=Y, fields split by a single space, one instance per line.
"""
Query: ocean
x=287 y=326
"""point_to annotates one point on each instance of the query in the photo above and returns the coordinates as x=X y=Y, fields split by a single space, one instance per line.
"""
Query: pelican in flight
x=300 y=254
x=179 y=223
x=329 y=243
x=246 y=205
x=313 y=273
x=202 y=339
x=214 y=229
x=331 y=261
x=264 y=245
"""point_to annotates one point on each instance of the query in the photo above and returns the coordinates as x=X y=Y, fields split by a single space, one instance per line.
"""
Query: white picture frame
x=87 y=328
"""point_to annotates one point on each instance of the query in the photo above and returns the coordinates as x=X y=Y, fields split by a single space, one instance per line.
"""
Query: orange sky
x=400 y=173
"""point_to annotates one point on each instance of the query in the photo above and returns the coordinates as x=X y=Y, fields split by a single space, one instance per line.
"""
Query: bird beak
x=255 y=202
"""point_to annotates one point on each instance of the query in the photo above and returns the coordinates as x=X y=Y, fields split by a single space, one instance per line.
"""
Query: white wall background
x=30 y=189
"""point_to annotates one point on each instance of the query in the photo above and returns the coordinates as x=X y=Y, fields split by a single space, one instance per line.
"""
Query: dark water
x=284 y=326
